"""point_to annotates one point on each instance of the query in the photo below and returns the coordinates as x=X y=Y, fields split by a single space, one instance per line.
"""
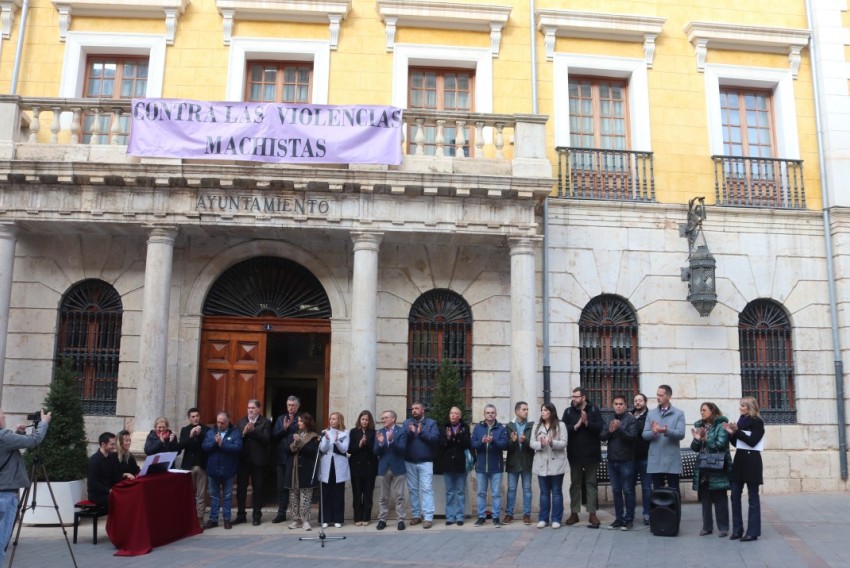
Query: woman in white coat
x=549 y=442
x=334 y=470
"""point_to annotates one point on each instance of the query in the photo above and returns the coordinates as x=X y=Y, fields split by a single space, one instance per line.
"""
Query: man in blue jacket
x=223 y=444
x=390 y=442
x=422 y=438
x=489 y=439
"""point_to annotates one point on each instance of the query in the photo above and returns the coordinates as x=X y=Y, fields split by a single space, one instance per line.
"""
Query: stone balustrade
x=516 y=141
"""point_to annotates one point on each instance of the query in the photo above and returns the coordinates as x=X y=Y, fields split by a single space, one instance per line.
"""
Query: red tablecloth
x=151 y=511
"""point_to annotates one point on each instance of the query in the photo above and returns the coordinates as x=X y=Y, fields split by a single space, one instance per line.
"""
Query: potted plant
x=63 y=455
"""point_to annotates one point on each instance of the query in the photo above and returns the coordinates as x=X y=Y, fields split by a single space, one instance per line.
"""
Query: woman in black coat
x=301 y=471
x=363 y=464
x=454 y=441
x=746 y=469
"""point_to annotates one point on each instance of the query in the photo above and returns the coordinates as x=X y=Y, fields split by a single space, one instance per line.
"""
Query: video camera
x=34 y=417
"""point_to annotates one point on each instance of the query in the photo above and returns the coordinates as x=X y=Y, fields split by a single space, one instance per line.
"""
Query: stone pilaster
x=364 y=325
x=153 y=341
x=8 y=240
x=523 y=340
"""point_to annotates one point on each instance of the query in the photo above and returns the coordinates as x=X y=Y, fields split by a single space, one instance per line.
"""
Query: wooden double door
x=233 y=363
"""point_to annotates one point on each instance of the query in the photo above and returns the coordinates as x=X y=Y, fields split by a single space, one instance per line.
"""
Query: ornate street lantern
x=700 y=272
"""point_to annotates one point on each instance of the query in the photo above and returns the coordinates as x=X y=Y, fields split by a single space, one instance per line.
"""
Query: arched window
x=440 y=327
x=89 y=336
x=767 y=360
x=608 y=352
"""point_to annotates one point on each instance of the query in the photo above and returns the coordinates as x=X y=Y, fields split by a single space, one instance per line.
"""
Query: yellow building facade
x=539 y=251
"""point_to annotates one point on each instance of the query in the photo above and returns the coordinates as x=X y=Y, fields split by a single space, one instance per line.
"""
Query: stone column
x=8 y=239
x=364 y=324
x=153 y=340
x=523 y=340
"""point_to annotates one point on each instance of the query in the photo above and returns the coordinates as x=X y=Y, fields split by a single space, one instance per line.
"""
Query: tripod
x=32 y=489
x=322 y=536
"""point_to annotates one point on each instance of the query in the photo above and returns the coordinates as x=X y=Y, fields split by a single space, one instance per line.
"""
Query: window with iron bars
x=767 y=360
x=90 y=317
x=440 y=327
x=608 y=350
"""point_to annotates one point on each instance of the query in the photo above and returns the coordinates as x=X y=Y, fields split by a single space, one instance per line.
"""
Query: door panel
x=232 y=370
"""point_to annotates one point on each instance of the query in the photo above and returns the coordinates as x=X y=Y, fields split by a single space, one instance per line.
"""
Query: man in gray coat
x=13 y=471
x=664 y=429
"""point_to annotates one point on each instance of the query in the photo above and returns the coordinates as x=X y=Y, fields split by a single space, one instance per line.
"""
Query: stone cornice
x=152 y=9
x=273 y=177
x=738 y=37
x=444 y=15
x=591 y=25
x=331 y=12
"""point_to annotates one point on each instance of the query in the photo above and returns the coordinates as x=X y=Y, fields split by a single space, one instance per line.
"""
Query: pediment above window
x=444 y=15
x=149 y=9
x=330 y=12
x=592 y=25
x=737 y=37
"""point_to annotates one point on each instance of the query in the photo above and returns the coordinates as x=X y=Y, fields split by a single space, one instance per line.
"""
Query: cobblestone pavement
x=811 y=530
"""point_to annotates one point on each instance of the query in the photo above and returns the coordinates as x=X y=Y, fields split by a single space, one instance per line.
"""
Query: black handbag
x=711 y=461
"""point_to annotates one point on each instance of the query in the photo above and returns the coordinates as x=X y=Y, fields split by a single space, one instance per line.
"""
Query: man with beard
x=422 y=438
x=195 y=459
x=641 y=452
x=256 y=432
x=584 y=423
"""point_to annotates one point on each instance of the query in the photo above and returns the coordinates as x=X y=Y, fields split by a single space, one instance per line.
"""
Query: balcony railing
x=449 y=134
x=759 y=182
x=618 y=175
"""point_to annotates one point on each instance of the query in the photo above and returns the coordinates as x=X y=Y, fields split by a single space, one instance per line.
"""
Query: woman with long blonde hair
x=334 y=470
x=747 y=469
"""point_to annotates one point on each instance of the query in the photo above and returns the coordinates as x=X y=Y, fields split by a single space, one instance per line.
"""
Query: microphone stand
x=322 y=536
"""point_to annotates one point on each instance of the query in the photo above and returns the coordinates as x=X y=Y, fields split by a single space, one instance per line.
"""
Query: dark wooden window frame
x=89 y=335
x=439 y=327
x=119 y=61
x=280 y=81
x=469 y=132
x=767 y=360
x=608 y=350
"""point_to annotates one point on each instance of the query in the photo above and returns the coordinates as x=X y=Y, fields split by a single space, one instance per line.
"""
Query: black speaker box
x=665 y=512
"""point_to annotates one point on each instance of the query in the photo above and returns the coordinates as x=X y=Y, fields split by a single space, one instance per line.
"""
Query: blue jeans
x=495 y=481
x=753 y=514
x=513 y=478
x=622 y=475
x=645 y=485
x=220 y=485
x=455 y=496
x=8 y=512
x=551 y=496
x=420 y=489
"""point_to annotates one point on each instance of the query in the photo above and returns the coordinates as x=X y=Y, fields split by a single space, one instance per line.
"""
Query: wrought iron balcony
x=759 y=182
x=619 y=175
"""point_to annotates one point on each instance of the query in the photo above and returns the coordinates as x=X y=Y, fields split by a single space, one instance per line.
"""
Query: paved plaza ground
x=811 y=530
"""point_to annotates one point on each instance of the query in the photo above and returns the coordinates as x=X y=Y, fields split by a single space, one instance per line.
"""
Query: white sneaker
x=307 y=526
x=556 y=525
x=324 y=525
x=295 y=525
x=541 y=525
x=338 y=525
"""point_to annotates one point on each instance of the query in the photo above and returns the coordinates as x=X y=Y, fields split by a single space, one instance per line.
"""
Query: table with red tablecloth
x=150 y=511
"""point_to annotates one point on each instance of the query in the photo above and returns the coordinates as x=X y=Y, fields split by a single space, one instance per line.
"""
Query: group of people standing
x=641 y=444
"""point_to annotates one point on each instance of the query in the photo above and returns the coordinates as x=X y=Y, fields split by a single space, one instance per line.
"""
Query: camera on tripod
x=34 y=417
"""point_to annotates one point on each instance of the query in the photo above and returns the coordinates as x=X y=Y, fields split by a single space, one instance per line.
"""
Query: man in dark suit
x=256 y=433
x=390 y=443
x=284 y=427
x=195 y=459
